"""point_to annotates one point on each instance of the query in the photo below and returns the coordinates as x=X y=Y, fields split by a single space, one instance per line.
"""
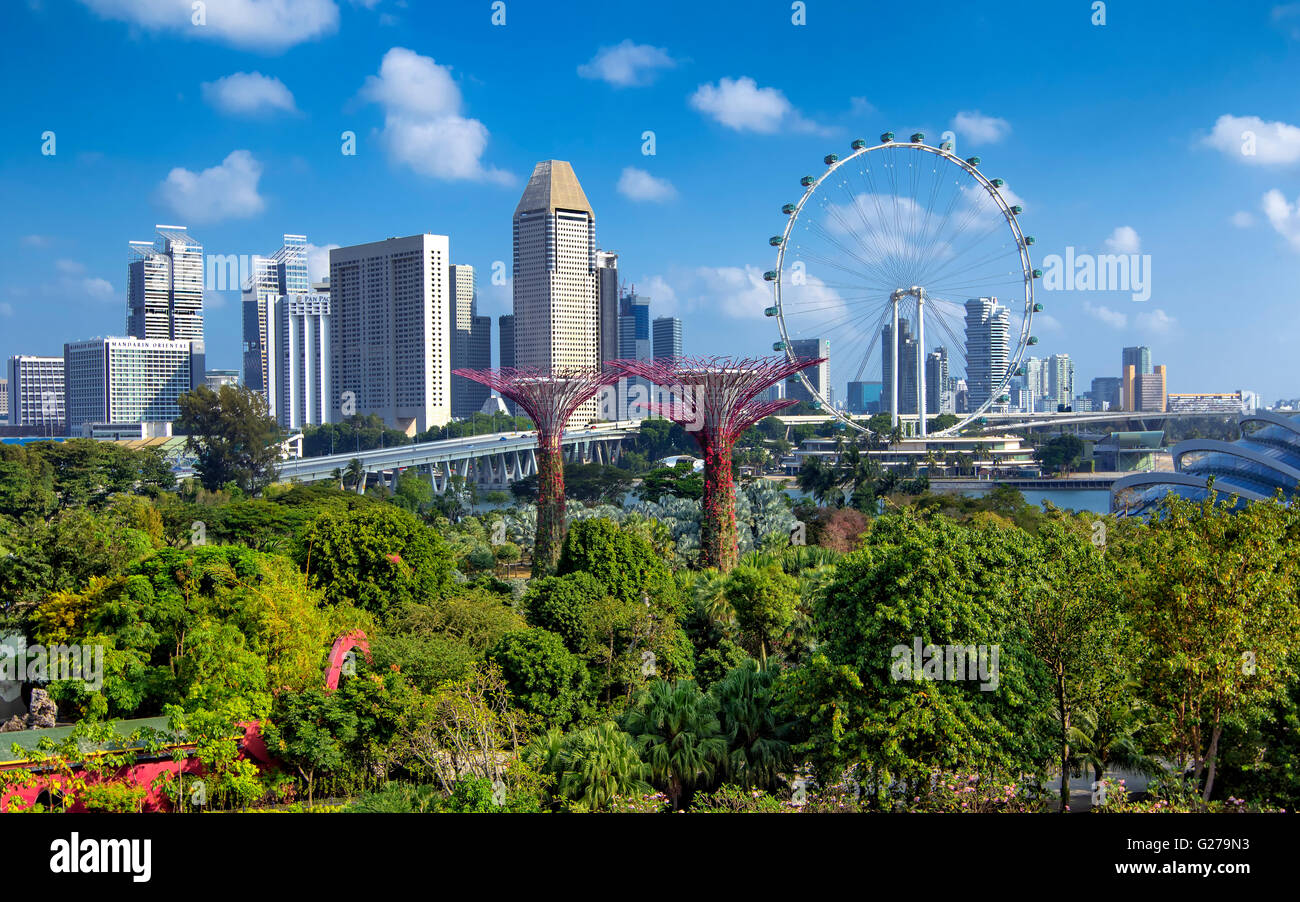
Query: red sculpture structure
x=717 y=399
x=549 y=396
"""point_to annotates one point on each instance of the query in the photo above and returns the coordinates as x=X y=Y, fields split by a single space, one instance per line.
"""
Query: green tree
x=233 y=435
x=591 y=768
x=543 y=676
x=764 y=600
x=676 y=730
x=757 y=748
x=310 y=731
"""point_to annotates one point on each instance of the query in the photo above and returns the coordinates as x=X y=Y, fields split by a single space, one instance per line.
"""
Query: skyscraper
x=1106 y=393
x=1150 y=390
x=303 y=336
x=819 y=376
x=282 y=273
x=938 y=388
x=907 y=351
x=864 y=397
x=506 y=327
x=988 y=349
x=165 y=292
x=390 y=318
x=667 y=331
x=607 y=292
x=1060 y=381
x=37 y=395
x=1139 y=360
x=471 y=342
x=557 y=321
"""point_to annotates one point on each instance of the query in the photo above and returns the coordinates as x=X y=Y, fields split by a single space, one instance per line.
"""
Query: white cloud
x=1156 y=321
x=627 y=64
x=977 y=128
x=227 y=191
x=249 y=94
x=1283 y=216
x=1251 y=140
x=267 y=25
x=742 y=105
x=662 y=295
x=423 y=125
x=1242 y=220
x=1112 y=318
x=1124 y=240
x=72 y=282
x=36 y=240
x=637 y=184
x=318 y=262
x=6 y=309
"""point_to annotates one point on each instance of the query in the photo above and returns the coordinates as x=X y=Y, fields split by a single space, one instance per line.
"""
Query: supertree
x=549 y=396
x=716 y=399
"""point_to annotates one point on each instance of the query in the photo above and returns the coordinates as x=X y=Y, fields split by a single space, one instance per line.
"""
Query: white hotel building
x=301 y=349
x=125 y=380
x=37 y=393
x=390 y=332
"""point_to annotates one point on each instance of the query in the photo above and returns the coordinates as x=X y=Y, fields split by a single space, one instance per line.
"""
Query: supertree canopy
x=549 y=396
x=716 y=399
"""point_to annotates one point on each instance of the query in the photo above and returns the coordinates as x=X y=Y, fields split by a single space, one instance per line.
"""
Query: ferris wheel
x=913 y=266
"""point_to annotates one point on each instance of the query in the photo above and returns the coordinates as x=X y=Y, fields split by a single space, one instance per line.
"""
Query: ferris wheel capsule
x=997 y=183
x=770 y=311
x=808 y=181
x=858 y=144
x=830 y=159
x=886 y=137
x=1032 y=340
x=918 y=138
x=775 y=241
x=1038 y=274
x=787 y=209
x=770 y=276
x=1029 y=239
x=1017 y=210
x=973 y=161
x=778 y=346
x=946 y=146
x=1038 y=308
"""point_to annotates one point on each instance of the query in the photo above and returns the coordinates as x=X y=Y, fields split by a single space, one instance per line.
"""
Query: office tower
x=390 y=325
x=555 y=292
x=301 y=343
x=125 y=380
x=37 y=394
x=667 y=331
x=938 y=390
x=164 y=292
x=1060 y=380
x=214 y=379
x=1138 y=360
x=819 y=376
x=607 y=293
x=864 y=397
x=471 y=343
x=4 y=399
x=988 y=349
x=1105 y=393
x=634 y=341
x=282 y=273
x=907 y=351
x=1150 y=390
x=506 y=327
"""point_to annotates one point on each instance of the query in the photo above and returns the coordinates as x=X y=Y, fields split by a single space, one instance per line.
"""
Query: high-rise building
x=939 y=396
x=634 y=341
x=164 y=292
x=988 y=349
x=4 y=399
x=667 y=332
x=282 y=273
x=1150 y=390
x=1106 y=393
x=819 y=376
x=214 y=379
x=1134 y=362
x=390 y=323
x=864 y=397
x=608 y=301
x=1060 y=381
x=506 y=328
x=907 y=351
x=37 y=394
x=301 y=344
x=557 y=322
x=471 y=343
x=125 y=380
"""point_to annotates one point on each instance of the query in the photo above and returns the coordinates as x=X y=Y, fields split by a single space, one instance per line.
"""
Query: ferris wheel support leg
x=893 y=375
x=920 y=360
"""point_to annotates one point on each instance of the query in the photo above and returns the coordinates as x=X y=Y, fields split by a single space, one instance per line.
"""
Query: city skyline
x=689 y=220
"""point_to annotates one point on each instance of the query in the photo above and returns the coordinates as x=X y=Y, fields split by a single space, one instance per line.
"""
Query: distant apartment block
x=1207 y=402
x=37 y=395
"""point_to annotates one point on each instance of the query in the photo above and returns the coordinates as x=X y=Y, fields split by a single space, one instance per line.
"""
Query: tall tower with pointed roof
x=556 y=296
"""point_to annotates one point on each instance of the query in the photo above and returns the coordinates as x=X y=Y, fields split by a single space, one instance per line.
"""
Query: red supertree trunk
x=550 y=505
x=716 y=399
x=719 y=542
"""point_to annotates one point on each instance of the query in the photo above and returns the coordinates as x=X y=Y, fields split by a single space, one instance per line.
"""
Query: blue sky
x=1127 y=133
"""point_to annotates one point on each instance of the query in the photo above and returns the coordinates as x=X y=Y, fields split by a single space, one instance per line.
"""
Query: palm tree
x=355 y=471
x=592 y=767
x=710 y=591
x=676 y=729
x=758 y=752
